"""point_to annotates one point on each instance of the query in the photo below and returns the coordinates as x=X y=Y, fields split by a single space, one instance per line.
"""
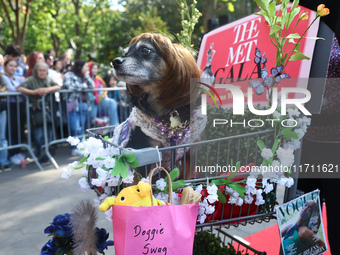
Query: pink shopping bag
x=165 y=229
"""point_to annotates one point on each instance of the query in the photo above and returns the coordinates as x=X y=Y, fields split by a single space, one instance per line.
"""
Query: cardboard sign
x=227 y=55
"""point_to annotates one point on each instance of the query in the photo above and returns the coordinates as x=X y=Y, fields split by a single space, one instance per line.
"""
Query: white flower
x=293 y=112
x=250 y=190
x=282 y=181
x=109 y=162
x=110 y=151
x=255 y=171
x=201 y=218
x=300 y=132
x=98 y=182
x=84 y=173
x=146 y=180
x=239 y=201
x=212 y=189
x=290 y=182
x=248 y=199
x=199 y=188
x=212 y=198
x=68 y=171
x=102 y=173
x=160 y=184
x=210 y=209
x=232 y=200
x=293 y=145
x=269 y=187
x=251 y=181
x=267 y=153
x=113 y=181
x=129 y=178
x=276 y=115
x=83 y=184
x=259 y=201
x=73 y=140
x=286 y=156
x=93 y=145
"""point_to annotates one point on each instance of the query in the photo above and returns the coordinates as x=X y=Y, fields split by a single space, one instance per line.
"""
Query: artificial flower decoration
x=322 y=11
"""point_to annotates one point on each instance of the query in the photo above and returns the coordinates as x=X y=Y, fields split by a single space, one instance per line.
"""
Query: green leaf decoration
x=315 y=38
x=60 y=251
x=260 y=144
x=219 y=182
x=99 y=158
x=275 y=145
x=238 y=188
x=272 y=8
x=221 y=197
x=274 y=29
x=178 y=184
x=84 y=159
x=233 y=174
x=262 y=4
x=121 y=162
x=286 y=130
x=106 y=137
x=292 y=15
x=293 y=36
x=119 y=168
x=79 y=167
x=292 y=135
x=298 y=56
x=295 y=3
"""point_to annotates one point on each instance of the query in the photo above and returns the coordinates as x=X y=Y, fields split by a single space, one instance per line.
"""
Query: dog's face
x=140 y=65
x=157 y=73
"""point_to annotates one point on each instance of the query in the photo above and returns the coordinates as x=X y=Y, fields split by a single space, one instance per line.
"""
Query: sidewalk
x=31 y=198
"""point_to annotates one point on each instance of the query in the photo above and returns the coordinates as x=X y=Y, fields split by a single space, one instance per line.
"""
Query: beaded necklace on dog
x=174 y=130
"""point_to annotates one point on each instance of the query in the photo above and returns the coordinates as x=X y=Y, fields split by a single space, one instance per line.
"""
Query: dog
x=157 y=73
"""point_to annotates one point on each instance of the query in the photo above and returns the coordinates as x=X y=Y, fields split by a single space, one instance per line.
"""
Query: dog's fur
x=157 y=73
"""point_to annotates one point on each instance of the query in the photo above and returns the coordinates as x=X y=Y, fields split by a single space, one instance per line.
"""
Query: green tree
x=16 y=16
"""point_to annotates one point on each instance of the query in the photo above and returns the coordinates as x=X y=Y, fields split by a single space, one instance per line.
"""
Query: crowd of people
x=37 y=75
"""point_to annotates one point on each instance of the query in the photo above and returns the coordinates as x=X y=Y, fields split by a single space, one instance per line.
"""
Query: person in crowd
x=51 y=52
x=101 y=101
x=54 y=75
x=4 y=162
x=14 y=51
x=65 y=60
x=321 y=144
x=49 y=60
x=299 y=235
x=77 y=80
x=2 y=61
x=111 y=82
x=17 y=105
x=23 y=62
x=32 y=59
x=36 y=86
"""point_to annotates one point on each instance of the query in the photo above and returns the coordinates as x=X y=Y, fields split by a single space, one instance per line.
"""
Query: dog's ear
x=174 y=88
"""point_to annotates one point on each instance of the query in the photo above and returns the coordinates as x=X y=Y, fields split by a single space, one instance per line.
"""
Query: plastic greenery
x=279 y=25
x=206 y=243
x=190 y=18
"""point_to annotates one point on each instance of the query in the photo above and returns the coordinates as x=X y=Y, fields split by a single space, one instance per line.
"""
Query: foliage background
x=98 y=30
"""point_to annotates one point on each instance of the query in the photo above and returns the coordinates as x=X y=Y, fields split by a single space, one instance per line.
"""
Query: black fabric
x=3 y=103
x=37 y=118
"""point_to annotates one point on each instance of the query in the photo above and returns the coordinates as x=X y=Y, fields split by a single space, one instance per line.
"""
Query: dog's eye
x=145 y=50
x=122 y=199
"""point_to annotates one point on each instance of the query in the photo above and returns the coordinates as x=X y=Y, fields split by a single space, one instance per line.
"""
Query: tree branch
x=27 y=14
x=9 y=18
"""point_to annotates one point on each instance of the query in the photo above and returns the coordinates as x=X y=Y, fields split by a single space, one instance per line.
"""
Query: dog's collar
x=175 y=130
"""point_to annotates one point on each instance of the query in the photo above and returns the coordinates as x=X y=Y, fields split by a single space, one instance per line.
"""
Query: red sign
x=234 y=54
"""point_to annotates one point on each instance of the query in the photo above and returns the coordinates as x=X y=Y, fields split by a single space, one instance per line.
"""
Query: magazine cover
x=301 y=227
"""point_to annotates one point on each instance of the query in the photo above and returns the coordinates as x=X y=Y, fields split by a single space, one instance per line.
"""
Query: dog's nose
x=116 y=62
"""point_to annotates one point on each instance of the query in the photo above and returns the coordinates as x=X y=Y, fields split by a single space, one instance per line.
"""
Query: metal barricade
x=62 y=111
x=18 y=124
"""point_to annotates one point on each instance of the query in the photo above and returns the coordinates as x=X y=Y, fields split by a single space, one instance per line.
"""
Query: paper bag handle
x=170 y=198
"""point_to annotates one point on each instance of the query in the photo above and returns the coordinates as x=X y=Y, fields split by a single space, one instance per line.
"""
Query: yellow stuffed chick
x=138 y=195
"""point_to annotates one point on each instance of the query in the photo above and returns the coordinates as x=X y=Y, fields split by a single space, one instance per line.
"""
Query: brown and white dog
x=157 y=73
